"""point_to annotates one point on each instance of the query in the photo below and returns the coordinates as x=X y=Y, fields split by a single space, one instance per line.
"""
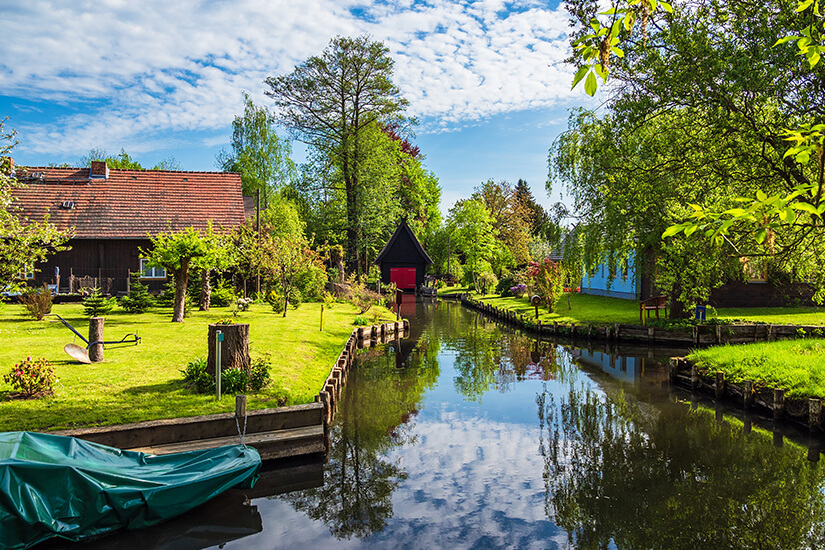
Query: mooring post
x=240 y=413
x=555 y=328
x=747 y=423
x=719 y=334
x=778 y=403
x=616 y=331
x=748 y=394
x=96 y=339
x=694 y=378
x=218 y=363
x=814 y=413
x=778 y=439
x=673 y=368
x=768 y=335
x=720 y=384
x=322 y=318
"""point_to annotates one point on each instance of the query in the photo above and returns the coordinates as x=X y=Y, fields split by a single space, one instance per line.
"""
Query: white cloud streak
x=133 y=74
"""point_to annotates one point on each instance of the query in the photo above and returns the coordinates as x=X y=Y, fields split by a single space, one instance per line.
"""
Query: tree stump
x=234 y=348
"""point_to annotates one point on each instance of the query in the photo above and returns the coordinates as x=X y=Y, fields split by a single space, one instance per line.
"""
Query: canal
x=471 y=435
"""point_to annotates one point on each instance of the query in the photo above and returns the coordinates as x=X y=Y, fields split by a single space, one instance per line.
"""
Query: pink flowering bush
x=32 y=377
x=547 y=278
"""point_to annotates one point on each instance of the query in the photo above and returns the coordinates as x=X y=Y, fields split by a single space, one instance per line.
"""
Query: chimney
x=7 y=165
x=98 y=170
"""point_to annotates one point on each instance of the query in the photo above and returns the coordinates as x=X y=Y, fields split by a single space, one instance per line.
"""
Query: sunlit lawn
x=797 y=366
x=144 y=382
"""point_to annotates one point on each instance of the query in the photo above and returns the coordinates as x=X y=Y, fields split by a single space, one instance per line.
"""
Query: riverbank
x=143 y=382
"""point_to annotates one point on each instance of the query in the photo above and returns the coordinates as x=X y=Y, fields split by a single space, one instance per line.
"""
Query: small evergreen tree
x=139 y=299
x=96 y=305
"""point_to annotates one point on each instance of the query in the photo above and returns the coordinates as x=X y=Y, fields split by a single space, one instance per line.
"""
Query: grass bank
x=144 y=382
x=797 y=366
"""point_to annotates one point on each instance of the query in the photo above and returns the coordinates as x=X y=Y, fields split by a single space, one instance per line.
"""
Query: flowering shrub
x=548 y=280
x=32 y=377
x=519 y=290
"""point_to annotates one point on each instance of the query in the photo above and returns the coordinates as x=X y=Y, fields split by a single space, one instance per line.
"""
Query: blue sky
x=485 y=78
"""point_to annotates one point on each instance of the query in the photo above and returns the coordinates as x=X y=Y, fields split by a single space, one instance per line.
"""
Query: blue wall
x=621 y=287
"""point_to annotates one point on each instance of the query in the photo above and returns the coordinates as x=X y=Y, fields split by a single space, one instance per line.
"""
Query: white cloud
x=132 y=73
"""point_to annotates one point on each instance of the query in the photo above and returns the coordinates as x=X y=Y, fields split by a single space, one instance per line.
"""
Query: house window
x=151 y=272
x=27 y=274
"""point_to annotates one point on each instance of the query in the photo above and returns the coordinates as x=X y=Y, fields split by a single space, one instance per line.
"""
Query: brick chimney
x=98 y=170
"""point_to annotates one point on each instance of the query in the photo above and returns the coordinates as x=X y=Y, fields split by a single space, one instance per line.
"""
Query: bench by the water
x=652 y=304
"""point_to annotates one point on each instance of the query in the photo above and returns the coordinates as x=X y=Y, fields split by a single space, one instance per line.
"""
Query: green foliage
x=486 y=281
x=234 y=380
x=138 y=300
x=360 y=320
x=471 y=227
x=38 y=302
x=548 y=281
x=276 y=301
x=259 y=373
x=32 y=377
x=259 y=155
x=196 y=378
x=96 y=304
x=222 y=294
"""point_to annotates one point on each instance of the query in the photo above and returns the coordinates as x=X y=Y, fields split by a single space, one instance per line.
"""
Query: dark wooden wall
x=403 y=253
x=739 y=294
x=104 y=258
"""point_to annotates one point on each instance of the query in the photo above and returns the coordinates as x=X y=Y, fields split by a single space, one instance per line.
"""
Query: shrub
x=486 y=281
x=548 y=279
x=222 y=294
x=38 y=302
x=361 y=321
x=32 y=377
x=234 y=380
x=276 y=301
x=519 y=290
x=139 y=300
x=96 y=305
x=259 y=373
x=196 y=377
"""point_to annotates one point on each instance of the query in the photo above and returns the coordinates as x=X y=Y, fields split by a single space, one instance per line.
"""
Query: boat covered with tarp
x=58 y=486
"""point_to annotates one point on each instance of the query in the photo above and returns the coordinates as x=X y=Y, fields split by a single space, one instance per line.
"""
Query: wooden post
x=673 y=368
x=778 y=439
x=573 y=330
x=747 y=423
x=695 y=334
x=96 y=335
x=650 y=334
x=694 y=378
x=322 y=315
x=778 y=403
x=720 y=384
x=240 y=408
x=814 y=413
x=748 y=394
x=718 y=334
x=616 y=331
x=768 y=335
x=555 y=328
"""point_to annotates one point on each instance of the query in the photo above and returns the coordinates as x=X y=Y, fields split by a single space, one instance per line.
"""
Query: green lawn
x=777 y=315
x=583 y=309
x=144 y=382
x=797 y=366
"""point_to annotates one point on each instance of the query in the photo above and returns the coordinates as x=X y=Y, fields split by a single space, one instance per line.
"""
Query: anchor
x=82 y=354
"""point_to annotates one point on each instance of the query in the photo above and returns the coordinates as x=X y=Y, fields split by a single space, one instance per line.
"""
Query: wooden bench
x=650 y=304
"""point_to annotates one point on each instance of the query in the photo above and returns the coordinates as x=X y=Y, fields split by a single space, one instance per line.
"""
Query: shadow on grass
x=165 y=387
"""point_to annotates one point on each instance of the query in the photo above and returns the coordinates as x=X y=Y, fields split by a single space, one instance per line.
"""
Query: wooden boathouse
x=403 y=260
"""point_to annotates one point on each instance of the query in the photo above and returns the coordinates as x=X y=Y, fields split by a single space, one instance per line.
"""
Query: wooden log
x=778 y=403
x=748 y=398
x=720 y=384
x=96 y=335
x=814 y=413
x=234 y=348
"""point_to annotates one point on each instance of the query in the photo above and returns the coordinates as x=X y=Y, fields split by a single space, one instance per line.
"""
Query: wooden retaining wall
x=362 y=337
x=698 y=335
x=275 y=433
x=747 y=394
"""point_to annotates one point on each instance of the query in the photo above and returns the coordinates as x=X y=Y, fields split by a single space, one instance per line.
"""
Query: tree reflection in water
x=618 y=470
x=376 y=415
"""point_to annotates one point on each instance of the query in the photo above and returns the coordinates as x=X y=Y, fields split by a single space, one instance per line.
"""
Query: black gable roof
x=404 y=233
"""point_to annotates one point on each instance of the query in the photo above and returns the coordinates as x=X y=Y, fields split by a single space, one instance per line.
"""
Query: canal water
x=468 y=434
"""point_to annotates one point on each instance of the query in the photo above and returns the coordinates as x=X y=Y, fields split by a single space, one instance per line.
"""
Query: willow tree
x=330 y=101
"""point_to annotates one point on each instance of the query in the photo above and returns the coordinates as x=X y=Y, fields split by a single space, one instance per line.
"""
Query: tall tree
x=330 y=101
x=23 y=242
x=472 y=232
x=512 y=218
x=258 y=153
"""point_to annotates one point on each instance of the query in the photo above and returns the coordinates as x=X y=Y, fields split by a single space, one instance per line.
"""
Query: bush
x=259 y=373
x=222 y=294
x=32 y=377
x=234 y=380
x=486 y=281
x=139 y=300
x=96 y=305
x=38 y=302
x=196 y=377
x=276 y=301
x=361 y=321
x=241 y=304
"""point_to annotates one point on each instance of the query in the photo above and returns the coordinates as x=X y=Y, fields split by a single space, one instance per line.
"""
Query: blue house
x=626 y=285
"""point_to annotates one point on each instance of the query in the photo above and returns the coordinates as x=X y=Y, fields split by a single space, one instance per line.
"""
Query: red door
x=403 y=277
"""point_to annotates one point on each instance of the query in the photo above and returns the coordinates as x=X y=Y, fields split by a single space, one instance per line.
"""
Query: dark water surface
x=470 y=435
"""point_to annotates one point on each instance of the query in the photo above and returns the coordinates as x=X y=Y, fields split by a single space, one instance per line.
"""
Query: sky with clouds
x=486 y=78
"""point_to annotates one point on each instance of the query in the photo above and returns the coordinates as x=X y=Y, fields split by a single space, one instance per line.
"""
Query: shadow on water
x=608 y=456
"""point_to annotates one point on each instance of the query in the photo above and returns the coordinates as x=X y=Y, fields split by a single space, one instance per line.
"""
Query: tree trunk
x=181 y=275
x=206 y=291
x=234 y=348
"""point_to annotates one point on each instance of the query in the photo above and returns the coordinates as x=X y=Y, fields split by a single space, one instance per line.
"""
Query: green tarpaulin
x=56 y=486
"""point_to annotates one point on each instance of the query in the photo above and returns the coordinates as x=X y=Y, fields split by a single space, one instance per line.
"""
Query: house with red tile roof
x=114 y=212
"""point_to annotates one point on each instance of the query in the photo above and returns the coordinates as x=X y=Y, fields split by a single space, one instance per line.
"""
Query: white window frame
x=26 y=274
x=147 y=272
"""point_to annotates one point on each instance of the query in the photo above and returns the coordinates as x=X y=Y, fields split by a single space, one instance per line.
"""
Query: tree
x=472 y=231
x=23 y=242
x=330 y=101
x=124 y=161
x=258 y=153
x=174 y=252
x=512 y=218
x=541 y=225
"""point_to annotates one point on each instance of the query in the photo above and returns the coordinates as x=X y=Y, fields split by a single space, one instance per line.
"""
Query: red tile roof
x=130 y=204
